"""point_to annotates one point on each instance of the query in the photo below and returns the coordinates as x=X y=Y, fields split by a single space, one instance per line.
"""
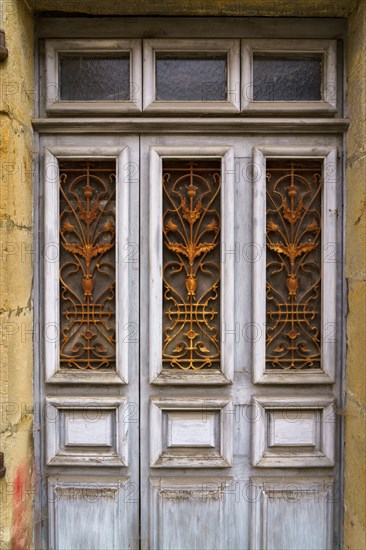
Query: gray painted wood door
x=231 y=459
x=90 y=427
x=218 y=452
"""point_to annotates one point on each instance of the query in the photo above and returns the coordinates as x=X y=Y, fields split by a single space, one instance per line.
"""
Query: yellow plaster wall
x=16 y=372
x=355 y=421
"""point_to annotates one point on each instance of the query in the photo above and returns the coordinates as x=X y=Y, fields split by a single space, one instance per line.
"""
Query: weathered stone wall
x=246 y=8
x=355 y=425
x=16 y=372
x=16 y=146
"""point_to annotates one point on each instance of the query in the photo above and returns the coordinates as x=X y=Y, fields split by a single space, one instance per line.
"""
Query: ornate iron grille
x=191 y=264
x=293 y=269
x=87 y=264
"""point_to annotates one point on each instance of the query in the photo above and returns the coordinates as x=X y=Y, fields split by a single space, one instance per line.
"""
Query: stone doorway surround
x=19 y=251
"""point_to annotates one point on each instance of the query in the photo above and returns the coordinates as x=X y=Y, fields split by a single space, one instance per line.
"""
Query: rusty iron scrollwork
x=87 y=264
x=293 y=271
x=191 y=264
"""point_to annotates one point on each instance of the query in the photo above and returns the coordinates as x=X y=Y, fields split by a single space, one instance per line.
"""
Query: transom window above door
x=205 y=76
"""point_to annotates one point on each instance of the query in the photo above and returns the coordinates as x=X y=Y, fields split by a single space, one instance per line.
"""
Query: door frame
x=58 y=130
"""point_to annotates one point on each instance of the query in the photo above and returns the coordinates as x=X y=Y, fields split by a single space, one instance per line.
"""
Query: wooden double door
x=190 y=396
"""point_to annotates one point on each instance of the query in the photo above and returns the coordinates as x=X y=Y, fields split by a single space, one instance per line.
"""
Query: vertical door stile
x=91 y=373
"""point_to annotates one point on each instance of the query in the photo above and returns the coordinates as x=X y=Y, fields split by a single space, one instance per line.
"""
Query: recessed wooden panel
x=87 y=431
x=80 y=429
x=293 y=433
x=90 y=513
x=189 y=513
x=301 y=429
x=291 y=513
x=190 y=433
x=191 y=429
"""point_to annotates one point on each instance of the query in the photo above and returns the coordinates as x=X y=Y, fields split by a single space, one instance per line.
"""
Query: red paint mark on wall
x=21 y=499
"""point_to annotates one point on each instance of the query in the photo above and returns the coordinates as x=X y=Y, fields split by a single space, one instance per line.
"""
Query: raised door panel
x=90 y=512
x=190 y=433
x=290 y=513
x=193 y=512
x=87 y=431
x=292 y=432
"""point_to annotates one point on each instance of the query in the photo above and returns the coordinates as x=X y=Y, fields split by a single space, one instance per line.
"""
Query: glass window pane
x=191 y=78
x=92 y=78
x=287 y=78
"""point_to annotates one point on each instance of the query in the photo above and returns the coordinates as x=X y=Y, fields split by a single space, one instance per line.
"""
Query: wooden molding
x=190 y=125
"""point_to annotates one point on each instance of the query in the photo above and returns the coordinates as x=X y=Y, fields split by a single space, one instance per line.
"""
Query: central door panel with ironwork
x=236 y=316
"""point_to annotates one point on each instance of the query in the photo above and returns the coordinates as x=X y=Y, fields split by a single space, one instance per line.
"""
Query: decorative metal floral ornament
x=87 y=264
x=191 y=258
x=293 y=265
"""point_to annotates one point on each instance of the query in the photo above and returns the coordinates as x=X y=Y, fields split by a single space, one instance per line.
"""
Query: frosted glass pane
x=191 y=78
x=287 y=78
x=93 y=78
